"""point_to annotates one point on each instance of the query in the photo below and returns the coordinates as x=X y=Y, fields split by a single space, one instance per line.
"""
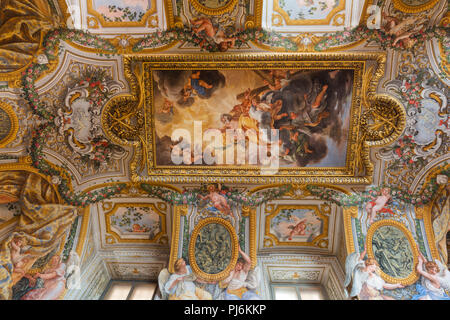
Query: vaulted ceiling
x=129 y=234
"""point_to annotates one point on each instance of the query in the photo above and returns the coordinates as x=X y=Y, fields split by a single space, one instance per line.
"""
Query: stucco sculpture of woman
x=180 y=285
x=367 y=284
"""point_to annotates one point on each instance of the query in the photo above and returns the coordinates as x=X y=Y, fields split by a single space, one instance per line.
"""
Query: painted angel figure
x=377 y=205
x=367 y=284
x=218 y=35
x=219 y=201
x=403 y=29
x=19 y=258
x=434 y=282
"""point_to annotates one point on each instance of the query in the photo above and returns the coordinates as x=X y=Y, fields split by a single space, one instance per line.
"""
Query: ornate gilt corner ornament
x=268 y=242
x=298 y=191
x=277 y=20
x=153 y=22
x=123 y=117
x=413 y=276
x=306 y=41
x=382 y=121
x=202 y=7
x=414 y=6
x=92 y=23
x=9 y=124
x=339 y=19
x=130 y=119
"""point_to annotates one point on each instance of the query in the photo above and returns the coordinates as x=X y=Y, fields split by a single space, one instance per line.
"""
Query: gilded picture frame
x=158 y=208
x=7 y=114
x=413 y=276
x=366 y=68
x=227 y=7
x=320 y=211
x=192 y=249
x=419 y=7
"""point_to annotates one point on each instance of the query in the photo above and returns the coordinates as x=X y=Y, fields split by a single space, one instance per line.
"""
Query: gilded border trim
x=234 y=255
x=413 y=276
x=83 y=230
x=251 y=213
x=349 y=213
x=400 y=5
x=229 y=6
x=178 y=212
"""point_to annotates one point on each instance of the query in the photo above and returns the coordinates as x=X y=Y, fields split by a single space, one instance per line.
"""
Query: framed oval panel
x=392 y=245
x=213 y=7
x=213 y=249
x=414 y=6
x=9 y=124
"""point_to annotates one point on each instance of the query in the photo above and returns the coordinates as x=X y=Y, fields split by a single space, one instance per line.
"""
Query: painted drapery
x=42 y=225
x=22 y=26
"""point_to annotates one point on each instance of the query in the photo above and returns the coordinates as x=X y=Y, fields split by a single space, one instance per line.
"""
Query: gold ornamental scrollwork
x=384 y=119
x=123 y=117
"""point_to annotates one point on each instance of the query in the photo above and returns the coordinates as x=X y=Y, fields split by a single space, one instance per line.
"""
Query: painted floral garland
x=378 y=36
x=161 y=38
x=72 y=198
x=359 y=199
x=233 y=196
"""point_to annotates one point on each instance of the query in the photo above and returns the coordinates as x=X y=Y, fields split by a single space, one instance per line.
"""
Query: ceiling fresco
x=273 y=142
